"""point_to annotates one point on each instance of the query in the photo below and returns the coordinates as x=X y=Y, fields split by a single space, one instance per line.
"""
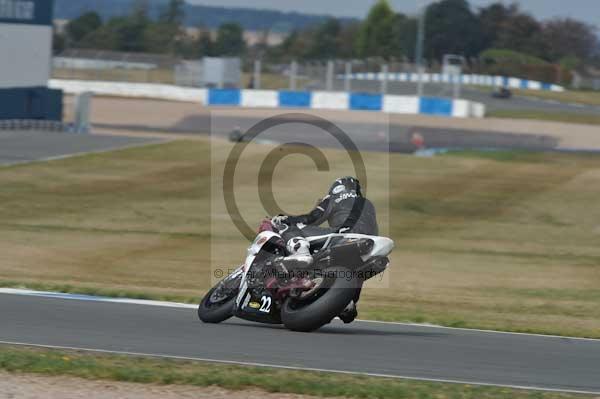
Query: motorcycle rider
x=345 y=210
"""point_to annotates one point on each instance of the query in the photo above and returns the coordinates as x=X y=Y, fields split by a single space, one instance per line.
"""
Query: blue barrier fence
x=356 y=101
x=366 y=101
x=224 y=96
x=296 y=99
x=31 y=103
x=435 y=106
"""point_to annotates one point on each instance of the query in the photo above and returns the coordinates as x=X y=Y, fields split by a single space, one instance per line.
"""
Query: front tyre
x=336 y=289
x=218 y=303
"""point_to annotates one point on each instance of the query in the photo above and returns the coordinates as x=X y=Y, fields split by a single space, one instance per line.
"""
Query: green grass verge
x=587 y=97
x=570 y=96
x=169 y=371
x=566 y=117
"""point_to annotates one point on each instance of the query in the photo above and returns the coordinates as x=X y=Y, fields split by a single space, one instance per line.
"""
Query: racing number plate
x=262 y=304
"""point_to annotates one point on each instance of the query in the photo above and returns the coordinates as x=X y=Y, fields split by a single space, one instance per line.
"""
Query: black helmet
x=345 y=184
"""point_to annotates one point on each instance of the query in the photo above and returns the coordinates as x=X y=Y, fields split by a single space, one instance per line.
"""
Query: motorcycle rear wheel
x=333 y=295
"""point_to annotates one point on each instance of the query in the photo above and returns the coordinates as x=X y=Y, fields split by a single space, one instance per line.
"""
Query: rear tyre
x=217 y=305
x=332 y=296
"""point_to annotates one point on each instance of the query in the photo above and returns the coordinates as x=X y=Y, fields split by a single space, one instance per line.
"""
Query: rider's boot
x=293 y=263
x=349 y=313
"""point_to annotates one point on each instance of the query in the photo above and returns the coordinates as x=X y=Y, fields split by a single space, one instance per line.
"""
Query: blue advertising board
x=29 y=103
x=29 y=12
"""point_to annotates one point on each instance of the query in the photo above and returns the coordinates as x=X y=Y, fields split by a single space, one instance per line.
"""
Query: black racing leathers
x=345 y=210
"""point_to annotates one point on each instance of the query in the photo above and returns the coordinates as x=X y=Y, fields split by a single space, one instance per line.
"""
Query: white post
x=457 y=85
x=348 y=77
x=329 y=78
x=257 y=71
x=293 y=72
x=82 y=112
x=419 y=48
x=384 y=78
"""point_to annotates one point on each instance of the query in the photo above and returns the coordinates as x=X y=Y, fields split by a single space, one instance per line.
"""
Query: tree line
x=452 y=27
x=500 y=33
x=138 y=32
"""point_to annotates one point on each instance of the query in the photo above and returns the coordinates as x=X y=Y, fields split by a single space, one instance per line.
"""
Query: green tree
x=205 y=45
x=161 y=38
x=129 y=31
x=294 y=46
x=451 y=29
x=82 y=26
x=492 y=20
x=404 y=34
x=346 y=40
x=522 y=33
x=376 y=32
x=568 y=39
x=104 y=38
x=167 y=35
x=230 y=40
x=58 y=42
x=324 y=41
x=174 y=13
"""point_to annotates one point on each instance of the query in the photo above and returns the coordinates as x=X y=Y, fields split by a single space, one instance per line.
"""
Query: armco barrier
x=480 y=80
x=282 y=99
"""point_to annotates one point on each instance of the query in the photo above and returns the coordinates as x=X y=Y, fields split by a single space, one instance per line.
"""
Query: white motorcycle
x=302 y=300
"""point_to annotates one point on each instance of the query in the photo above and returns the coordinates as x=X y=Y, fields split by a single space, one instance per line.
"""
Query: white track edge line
x=146 y=302
x=266 y=365
x=93 y=298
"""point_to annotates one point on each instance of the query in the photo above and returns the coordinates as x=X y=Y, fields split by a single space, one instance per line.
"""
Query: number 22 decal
x=265 y=304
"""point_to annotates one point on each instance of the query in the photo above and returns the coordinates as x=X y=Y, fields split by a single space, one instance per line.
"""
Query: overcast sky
x=587 y=10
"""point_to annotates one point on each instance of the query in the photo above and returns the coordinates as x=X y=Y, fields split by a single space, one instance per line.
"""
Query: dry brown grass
x=506 y=241
x=570 y=96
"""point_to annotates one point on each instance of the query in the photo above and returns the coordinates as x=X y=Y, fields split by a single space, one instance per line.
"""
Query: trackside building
x=25 y=61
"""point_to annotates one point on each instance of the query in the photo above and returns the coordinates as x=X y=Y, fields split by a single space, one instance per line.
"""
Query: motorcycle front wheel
x=217 y=305
x=336 y=288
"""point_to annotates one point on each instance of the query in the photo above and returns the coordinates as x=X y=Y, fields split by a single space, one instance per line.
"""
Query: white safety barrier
x=393 y=104
x=125 y=89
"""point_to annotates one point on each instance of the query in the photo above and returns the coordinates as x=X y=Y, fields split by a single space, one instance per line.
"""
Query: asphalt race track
x=393 y=137
x=398 y=350
x=27 y=146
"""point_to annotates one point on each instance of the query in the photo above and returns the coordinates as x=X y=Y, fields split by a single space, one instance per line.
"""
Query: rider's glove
x=279 y=220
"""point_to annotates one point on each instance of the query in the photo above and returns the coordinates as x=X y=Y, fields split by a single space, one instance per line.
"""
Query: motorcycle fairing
x=252 y=304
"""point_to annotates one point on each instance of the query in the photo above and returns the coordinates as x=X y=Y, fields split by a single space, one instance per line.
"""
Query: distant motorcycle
x=502 y=93
x=300 y=300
